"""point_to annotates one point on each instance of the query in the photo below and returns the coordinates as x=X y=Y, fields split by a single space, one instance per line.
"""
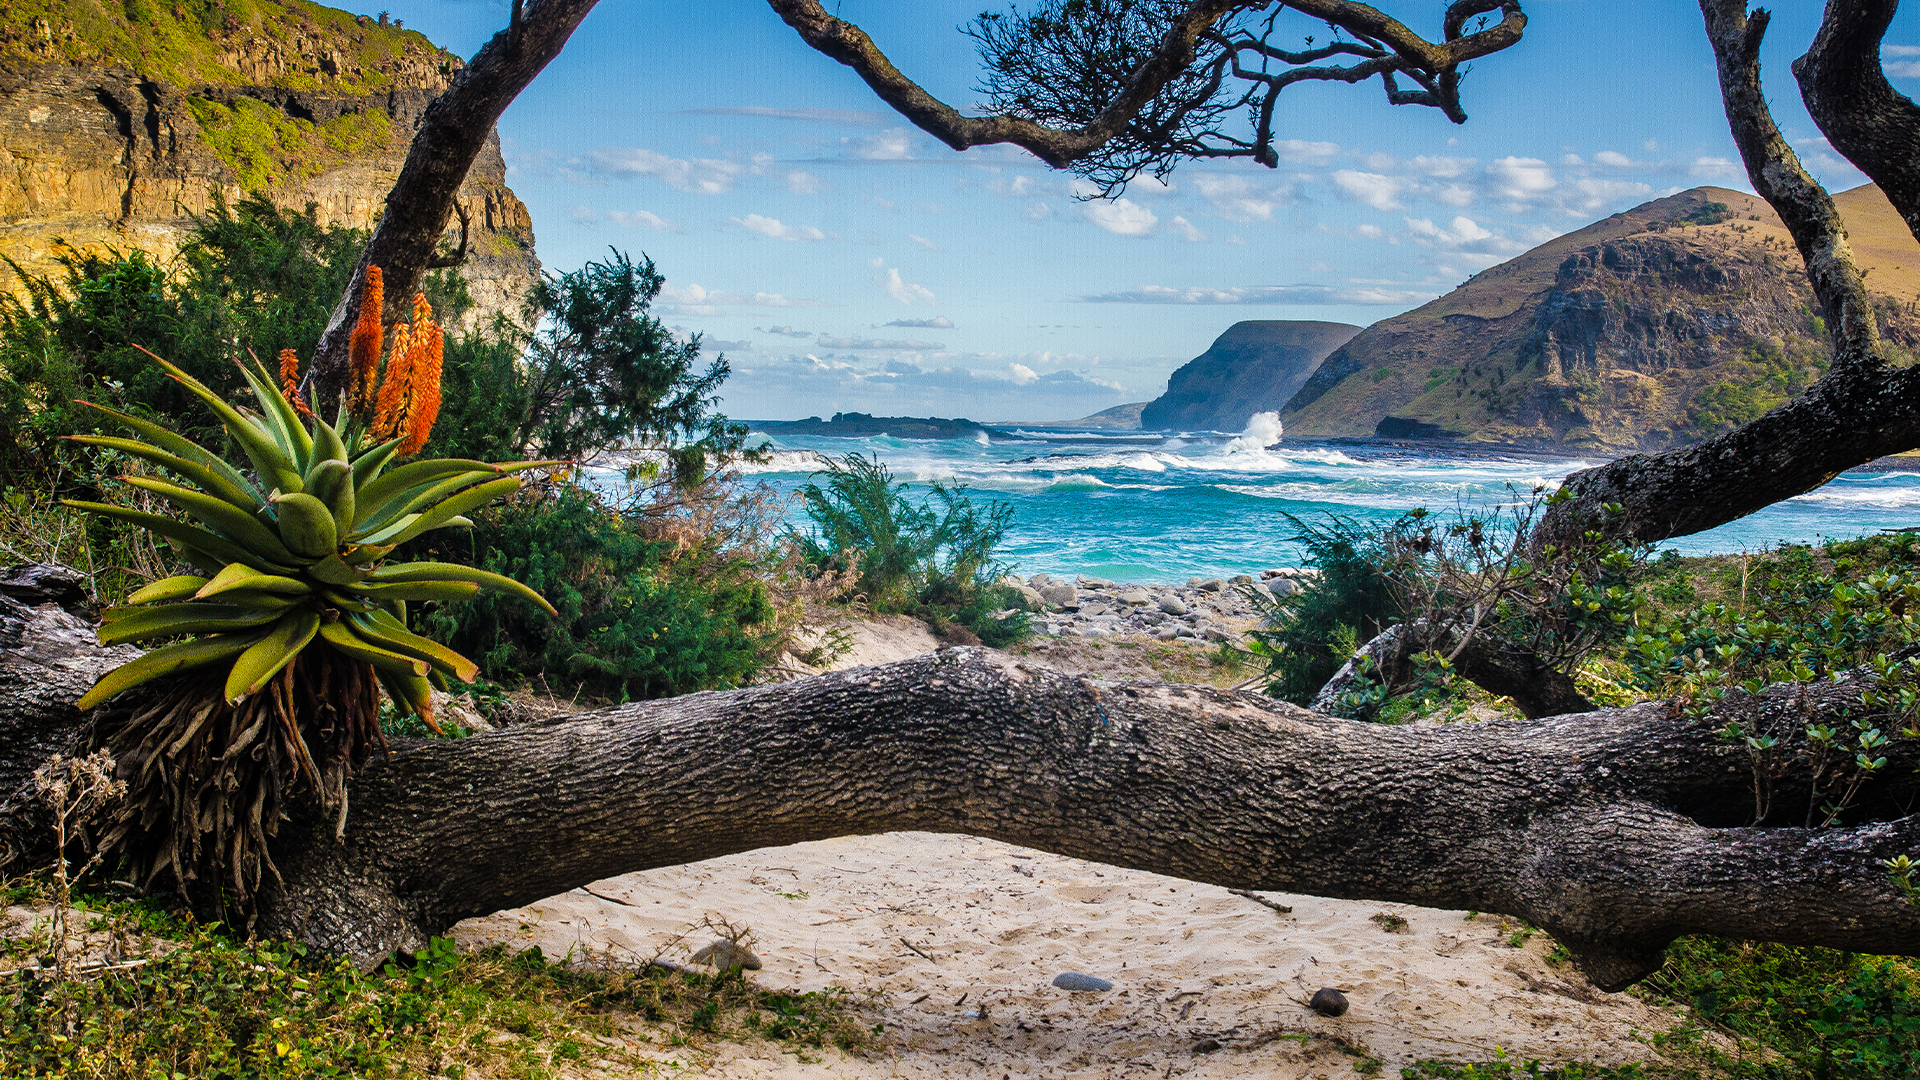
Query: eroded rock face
x=1254 y=367
x=96 y=152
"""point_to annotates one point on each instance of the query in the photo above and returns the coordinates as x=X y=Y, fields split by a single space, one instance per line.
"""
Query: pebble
x=1328 y=1002
x=1073 y=980
x=1173 y=605
x=726 y=954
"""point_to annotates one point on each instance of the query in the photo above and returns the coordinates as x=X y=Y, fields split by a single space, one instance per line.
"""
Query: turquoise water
x=1157 y=509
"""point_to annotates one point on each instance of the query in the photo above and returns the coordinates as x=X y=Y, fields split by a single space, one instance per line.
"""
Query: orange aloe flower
x=363 y=347
x=290 y=382
x=410 y=391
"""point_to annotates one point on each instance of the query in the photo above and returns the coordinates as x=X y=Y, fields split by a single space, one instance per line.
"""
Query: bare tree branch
x=1846 y=91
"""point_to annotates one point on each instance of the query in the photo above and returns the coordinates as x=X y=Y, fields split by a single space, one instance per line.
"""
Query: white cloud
x=1441 y=168
x=874 y=343
x=1906 y=68
x=1261 y=294
x=923 y=242
x=1593 y=193
x=691 y=295
x=1238 y=199
x=1039 y=211
x=1185 y=230
x=893 y=144
x=1301 y=152
x=1455 y=195
x=1520 y=180
x=707 y=176
x=1461 y=231
x=938 y=322
x=1014 y=187
x=1022 y=374
x=802 y=182
x=907 y=292
x=1614 y=159
x=1717 y=168
x=1122 y=217
x=784 y=331
x=640 y=219
x=774 y=229
x=1374 y=189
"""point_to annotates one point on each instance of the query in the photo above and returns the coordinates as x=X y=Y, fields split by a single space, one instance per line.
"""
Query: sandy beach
x=954 y=943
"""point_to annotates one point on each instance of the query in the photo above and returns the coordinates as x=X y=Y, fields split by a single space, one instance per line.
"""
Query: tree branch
x=1866 y=120
x=1860 y=410
x=452 y=132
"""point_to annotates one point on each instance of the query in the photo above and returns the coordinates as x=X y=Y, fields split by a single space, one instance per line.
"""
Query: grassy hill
x=1658 y=326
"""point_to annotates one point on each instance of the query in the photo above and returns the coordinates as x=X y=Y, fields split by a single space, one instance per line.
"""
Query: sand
x=955 y=942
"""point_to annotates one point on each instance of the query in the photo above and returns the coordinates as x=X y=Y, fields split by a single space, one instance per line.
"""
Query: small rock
x=1282 y=587
x=1073 y=980
x=1029 y=598
x=1193 y=582
x=1212 y=585
x=1206 y=1046
x=1090 y=610
x=1060 y=594
x=1214 y=633
x=724 y=954
x=1328 y=1002
x=1093 y=631
x=1240 y=579
x=1172 y=605
x=1039 y=580
x=1268 y=575
x=1135 y=596
x=1166 y=633
x=1184 y=631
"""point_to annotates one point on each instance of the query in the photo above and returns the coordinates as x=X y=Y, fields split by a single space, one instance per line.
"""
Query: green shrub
x=1308 y=635
x=650 y=606
x=933 y=557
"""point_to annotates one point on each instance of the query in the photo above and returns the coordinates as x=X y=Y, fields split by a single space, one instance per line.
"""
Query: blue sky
x=843 y=260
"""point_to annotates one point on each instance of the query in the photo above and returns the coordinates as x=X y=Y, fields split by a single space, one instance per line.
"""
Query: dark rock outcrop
x=1254 y=367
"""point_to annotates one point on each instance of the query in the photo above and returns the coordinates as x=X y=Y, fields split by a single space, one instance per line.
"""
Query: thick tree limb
x=1860 y=410
x=1588 y=825
x=452 y=132
x=1602 y=828
x=1861 y=114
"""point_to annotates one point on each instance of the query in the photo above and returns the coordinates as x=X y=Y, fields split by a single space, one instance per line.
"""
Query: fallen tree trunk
x=1614 y=830
x=1602 y=828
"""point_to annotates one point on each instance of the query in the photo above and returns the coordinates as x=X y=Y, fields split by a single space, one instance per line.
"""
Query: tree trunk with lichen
x=1614 y=830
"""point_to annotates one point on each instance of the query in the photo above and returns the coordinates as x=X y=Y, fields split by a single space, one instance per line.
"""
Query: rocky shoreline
x=1210 y=609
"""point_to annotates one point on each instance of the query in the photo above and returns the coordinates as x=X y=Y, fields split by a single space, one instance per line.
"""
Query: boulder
x=1135 y=597
x=1059 y=594
x=1173 y=605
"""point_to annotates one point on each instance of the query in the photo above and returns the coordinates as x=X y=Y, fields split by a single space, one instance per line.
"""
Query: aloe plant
x=292 y=617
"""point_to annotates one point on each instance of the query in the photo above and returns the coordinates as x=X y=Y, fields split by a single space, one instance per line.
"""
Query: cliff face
x=1675 y=320
x=1254 y=367
x=118 y=126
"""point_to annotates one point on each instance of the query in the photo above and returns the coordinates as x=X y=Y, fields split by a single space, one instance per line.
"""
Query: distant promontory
x=1256 y=366
x=861 y=425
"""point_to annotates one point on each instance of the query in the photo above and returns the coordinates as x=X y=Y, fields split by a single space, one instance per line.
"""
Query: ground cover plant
x=195 y=1000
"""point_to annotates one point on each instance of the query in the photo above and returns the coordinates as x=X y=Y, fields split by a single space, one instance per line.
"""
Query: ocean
x=1158 y=508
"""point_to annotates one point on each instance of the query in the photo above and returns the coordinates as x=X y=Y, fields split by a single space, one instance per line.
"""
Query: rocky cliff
x=1655 y=327
x=1256 y=366
x=120 y=124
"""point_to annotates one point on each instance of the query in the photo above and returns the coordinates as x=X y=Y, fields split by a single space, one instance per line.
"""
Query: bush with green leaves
x=933 y=556
x=1308 y=635
x=651 y=604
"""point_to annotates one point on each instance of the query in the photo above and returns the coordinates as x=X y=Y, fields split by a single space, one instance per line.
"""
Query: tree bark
x=1860 y=410
x=452 y=132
